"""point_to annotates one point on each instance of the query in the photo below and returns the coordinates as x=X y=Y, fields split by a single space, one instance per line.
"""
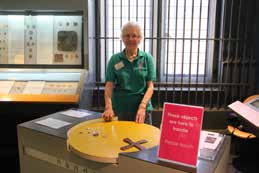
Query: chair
x=238 y=131
x=246 y=143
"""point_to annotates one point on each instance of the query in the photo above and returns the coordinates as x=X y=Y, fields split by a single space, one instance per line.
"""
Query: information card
x=52 y=123
x=180 y=134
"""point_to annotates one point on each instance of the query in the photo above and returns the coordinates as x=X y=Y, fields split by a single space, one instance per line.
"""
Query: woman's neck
x=131 y=54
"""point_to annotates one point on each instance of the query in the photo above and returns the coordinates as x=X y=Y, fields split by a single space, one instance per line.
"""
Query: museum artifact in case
x=41 y=55
x=43 y=39
x=43 y=67
x=39 y=85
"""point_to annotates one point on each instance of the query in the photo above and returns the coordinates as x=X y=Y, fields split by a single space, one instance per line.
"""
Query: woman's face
x=131 y=38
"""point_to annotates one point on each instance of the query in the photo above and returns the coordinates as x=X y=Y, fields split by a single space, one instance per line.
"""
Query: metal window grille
x=203 y=49
x=114 y=15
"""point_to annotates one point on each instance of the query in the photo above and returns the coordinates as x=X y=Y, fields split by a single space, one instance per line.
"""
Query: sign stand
x=180 y=135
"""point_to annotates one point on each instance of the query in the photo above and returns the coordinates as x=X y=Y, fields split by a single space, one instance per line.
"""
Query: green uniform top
x=130 y=80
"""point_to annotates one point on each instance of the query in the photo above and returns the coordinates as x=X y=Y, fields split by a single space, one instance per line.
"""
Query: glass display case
x=42 y=85
x=41 y=56
x=41 y=38
x=42 y=63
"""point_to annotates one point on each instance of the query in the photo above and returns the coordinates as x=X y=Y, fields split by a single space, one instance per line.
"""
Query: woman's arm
x=141 y=113
x=108 y=113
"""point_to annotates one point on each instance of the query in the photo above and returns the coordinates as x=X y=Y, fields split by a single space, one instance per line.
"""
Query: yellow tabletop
x=102 y=141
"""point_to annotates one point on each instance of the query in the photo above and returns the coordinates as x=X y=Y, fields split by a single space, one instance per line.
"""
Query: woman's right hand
x=108 y=115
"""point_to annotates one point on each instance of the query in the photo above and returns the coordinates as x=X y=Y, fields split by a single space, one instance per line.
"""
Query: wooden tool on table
x=134 y=144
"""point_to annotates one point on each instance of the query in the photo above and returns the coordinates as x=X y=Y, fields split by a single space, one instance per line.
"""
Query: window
x=116 y=13
x=184 y=34
x=186 y=48
x=201 y=58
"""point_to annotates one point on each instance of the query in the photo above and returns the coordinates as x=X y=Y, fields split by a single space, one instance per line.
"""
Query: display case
x=42 y=56
x=38 y=38
x=41 y=85
x=43 y=64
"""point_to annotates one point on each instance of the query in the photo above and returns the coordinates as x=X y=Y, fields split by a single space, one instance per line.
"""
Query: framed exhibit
x=41 y=38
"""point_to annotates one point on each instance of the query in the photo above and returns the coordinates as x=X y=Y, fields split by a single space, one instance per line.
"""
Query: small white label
x=76 y=114
x=53 y=123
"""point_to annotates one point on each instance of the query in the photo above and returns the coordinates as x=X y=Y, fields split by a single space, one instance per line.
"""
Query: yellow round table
x=102 y=141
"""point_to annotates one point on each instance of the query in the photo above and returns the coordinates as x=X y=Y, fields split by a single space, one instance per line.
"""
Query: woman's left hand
x=141 y=114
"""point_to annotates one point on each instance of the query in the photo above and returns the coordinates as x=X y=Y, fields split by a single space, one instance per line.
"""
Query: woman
x=129 y=80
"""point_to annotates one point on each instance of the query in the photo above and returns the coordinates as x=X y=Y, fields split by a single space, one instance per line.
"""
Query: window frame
x=104 y=36
x=157 y=47
x=209 y=51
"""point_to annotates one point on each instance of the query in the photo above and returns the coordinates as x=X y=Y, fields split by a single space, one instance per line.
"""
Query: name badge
x=119 y=65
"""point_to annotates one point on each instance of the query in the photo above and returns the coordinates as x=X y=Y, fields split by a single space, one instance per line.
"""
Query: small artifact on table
x=133 y=144
x=95 y=133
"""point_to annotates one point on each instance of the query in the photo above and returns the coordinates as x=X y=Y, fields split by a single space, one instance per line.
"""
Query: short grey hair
x=131 y=24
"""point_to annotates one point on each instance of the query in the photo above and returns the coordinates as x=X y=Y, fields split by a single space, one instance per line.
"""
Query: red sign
x=180 y=134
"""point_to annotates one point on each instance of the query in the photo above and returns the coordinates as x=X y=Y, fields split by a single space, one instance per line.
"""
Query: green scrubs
x=130 y=80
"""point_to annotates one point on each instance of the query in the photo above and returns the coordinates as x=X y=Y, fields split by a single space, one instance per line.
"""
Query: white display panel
x=18 y=87
x=41 y=39
x=69 y=88
x=34 y=87
x=45 y=81
x=38 y=87
x=5 y=86
x=66 y=31
x=3 y=40
x=15 y=39
x=30 y=40
x=44 y=39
